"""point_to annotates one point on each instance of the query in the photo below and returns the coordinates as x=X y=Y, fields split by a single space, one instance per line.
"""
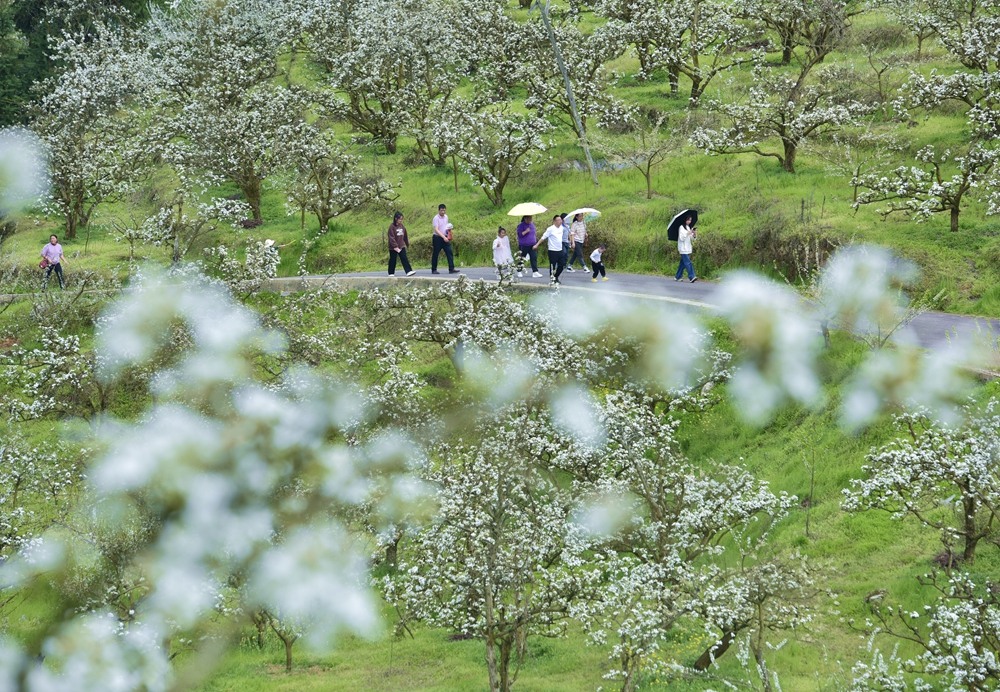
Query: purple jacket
x=526 y=234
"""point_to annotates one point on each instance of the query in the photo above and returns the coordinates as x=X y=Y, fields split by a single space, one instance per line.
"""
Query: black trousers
x=598 y=268
x=439 y=245
x=530 y=252
x=402 y=258
x=578 y=254
x=557 y=262
x=57 y=268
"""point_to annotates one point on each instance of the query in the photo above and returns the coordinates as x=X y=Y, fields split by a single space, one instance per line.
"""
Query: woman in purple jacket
x=526 y=242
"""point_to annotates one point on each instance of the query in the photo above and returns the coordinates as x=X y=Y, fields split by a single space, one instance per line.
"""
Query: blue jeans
x=57 y=268
x=440 y=244
x=685 y=264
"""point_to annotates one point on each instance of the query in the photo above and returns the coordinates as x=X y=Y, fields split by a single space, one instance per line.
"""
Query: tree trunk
x=71 y=225
x=252 y=191
x=288 y=654
x=971 y=535
x=765 y=679
x=642 y=49
x=491 y=665
x=390 y=142
x=788 y=161
x=260 y=623
x=504 y=667
x=631 y=669
x=674 y=76
x=392 y=550
x=696 y=91
x=715 y=651
x=649 y=183
x=786 y=50
x=954 y=219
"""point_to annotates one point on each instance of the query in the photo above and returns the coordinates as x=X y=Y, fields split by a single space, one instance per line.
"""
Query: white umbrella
x=588 y=214
x=526 y=209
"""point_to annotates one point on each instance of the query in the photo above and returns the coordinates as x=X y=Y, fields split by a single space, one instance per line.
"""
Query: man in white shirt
x=685 y=235
x=442 y=241
x=553 y=237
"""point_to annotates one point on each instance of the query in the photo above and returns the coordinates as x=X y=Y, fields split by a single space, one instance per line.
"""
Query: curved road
x=932 y=328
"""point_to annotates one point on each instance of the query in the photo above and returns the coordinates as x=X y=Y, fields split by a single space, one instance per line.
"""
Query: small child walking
x=597 y=264
x=501 y=252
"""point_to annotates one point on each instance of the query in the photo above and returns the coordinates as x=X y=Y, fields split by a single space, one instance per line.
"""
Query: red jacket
x=398 y=239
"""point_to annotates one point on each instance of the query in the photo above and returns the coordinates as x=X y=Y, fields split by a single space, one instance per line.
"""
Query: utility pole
x=569 y=88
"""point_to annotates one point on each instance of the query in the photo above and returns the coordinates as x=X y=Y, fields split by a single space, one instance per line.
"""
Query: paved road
x=932 y=328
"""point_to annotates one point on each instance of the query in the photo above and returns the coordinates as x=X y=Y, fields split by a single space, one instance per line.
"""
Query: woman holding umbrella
x=525 y=233
x=685 y=234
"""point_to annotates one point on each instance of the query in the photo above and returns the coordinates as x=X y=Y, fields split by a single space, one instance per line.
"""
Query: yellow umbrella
x=526 y=209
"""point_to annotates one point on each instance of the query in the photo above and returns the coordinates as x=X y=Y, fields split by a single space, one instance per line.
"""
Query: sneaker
x=593 y=281
x=694 y=279
x=519 y=275
x=454 y=271
x=410 y=273
x=536 y=275
x=570 y=269
x=604 y=279
x=557 y=281
x=677 y=278
x=435 y=271
x=392 y=276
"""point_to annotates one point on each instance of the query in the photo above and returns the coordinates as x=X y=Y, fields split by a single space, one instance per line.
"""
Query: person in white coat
x=501 y=250
x=685 y=235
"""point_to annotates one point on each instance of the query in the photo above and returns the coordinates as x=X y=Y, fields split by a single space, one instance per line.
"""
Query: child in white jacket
x=501 y=251
x=597 y=264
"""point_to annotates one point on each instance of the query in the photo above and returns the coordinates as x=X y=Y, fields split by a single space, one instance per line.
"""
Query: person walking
x=52 y=259
x=526 y=244
x=398 y=242
x=597 y=264
x=566 y=242
x=557 y=258
x=442 y=241
x=577 y=237
x=685 y=234
x=501 y=251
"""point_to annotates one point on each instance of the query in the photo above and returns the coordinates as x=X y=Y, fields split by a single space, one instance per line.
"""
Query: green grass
x=858 y=554
x=753 y=213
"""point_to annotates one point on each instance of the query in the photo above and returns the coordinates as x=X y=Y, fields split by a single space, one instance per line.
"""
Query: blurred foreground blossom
x=91 y=654
x=230 y=482
x=780 y=345
x=906 y=378
x=23 y=175
x=858 y=289
x=576 y=415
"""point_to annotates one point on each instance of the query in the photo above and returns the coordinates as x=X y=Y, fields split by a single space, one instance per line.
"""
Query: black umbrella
x=675 y=223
